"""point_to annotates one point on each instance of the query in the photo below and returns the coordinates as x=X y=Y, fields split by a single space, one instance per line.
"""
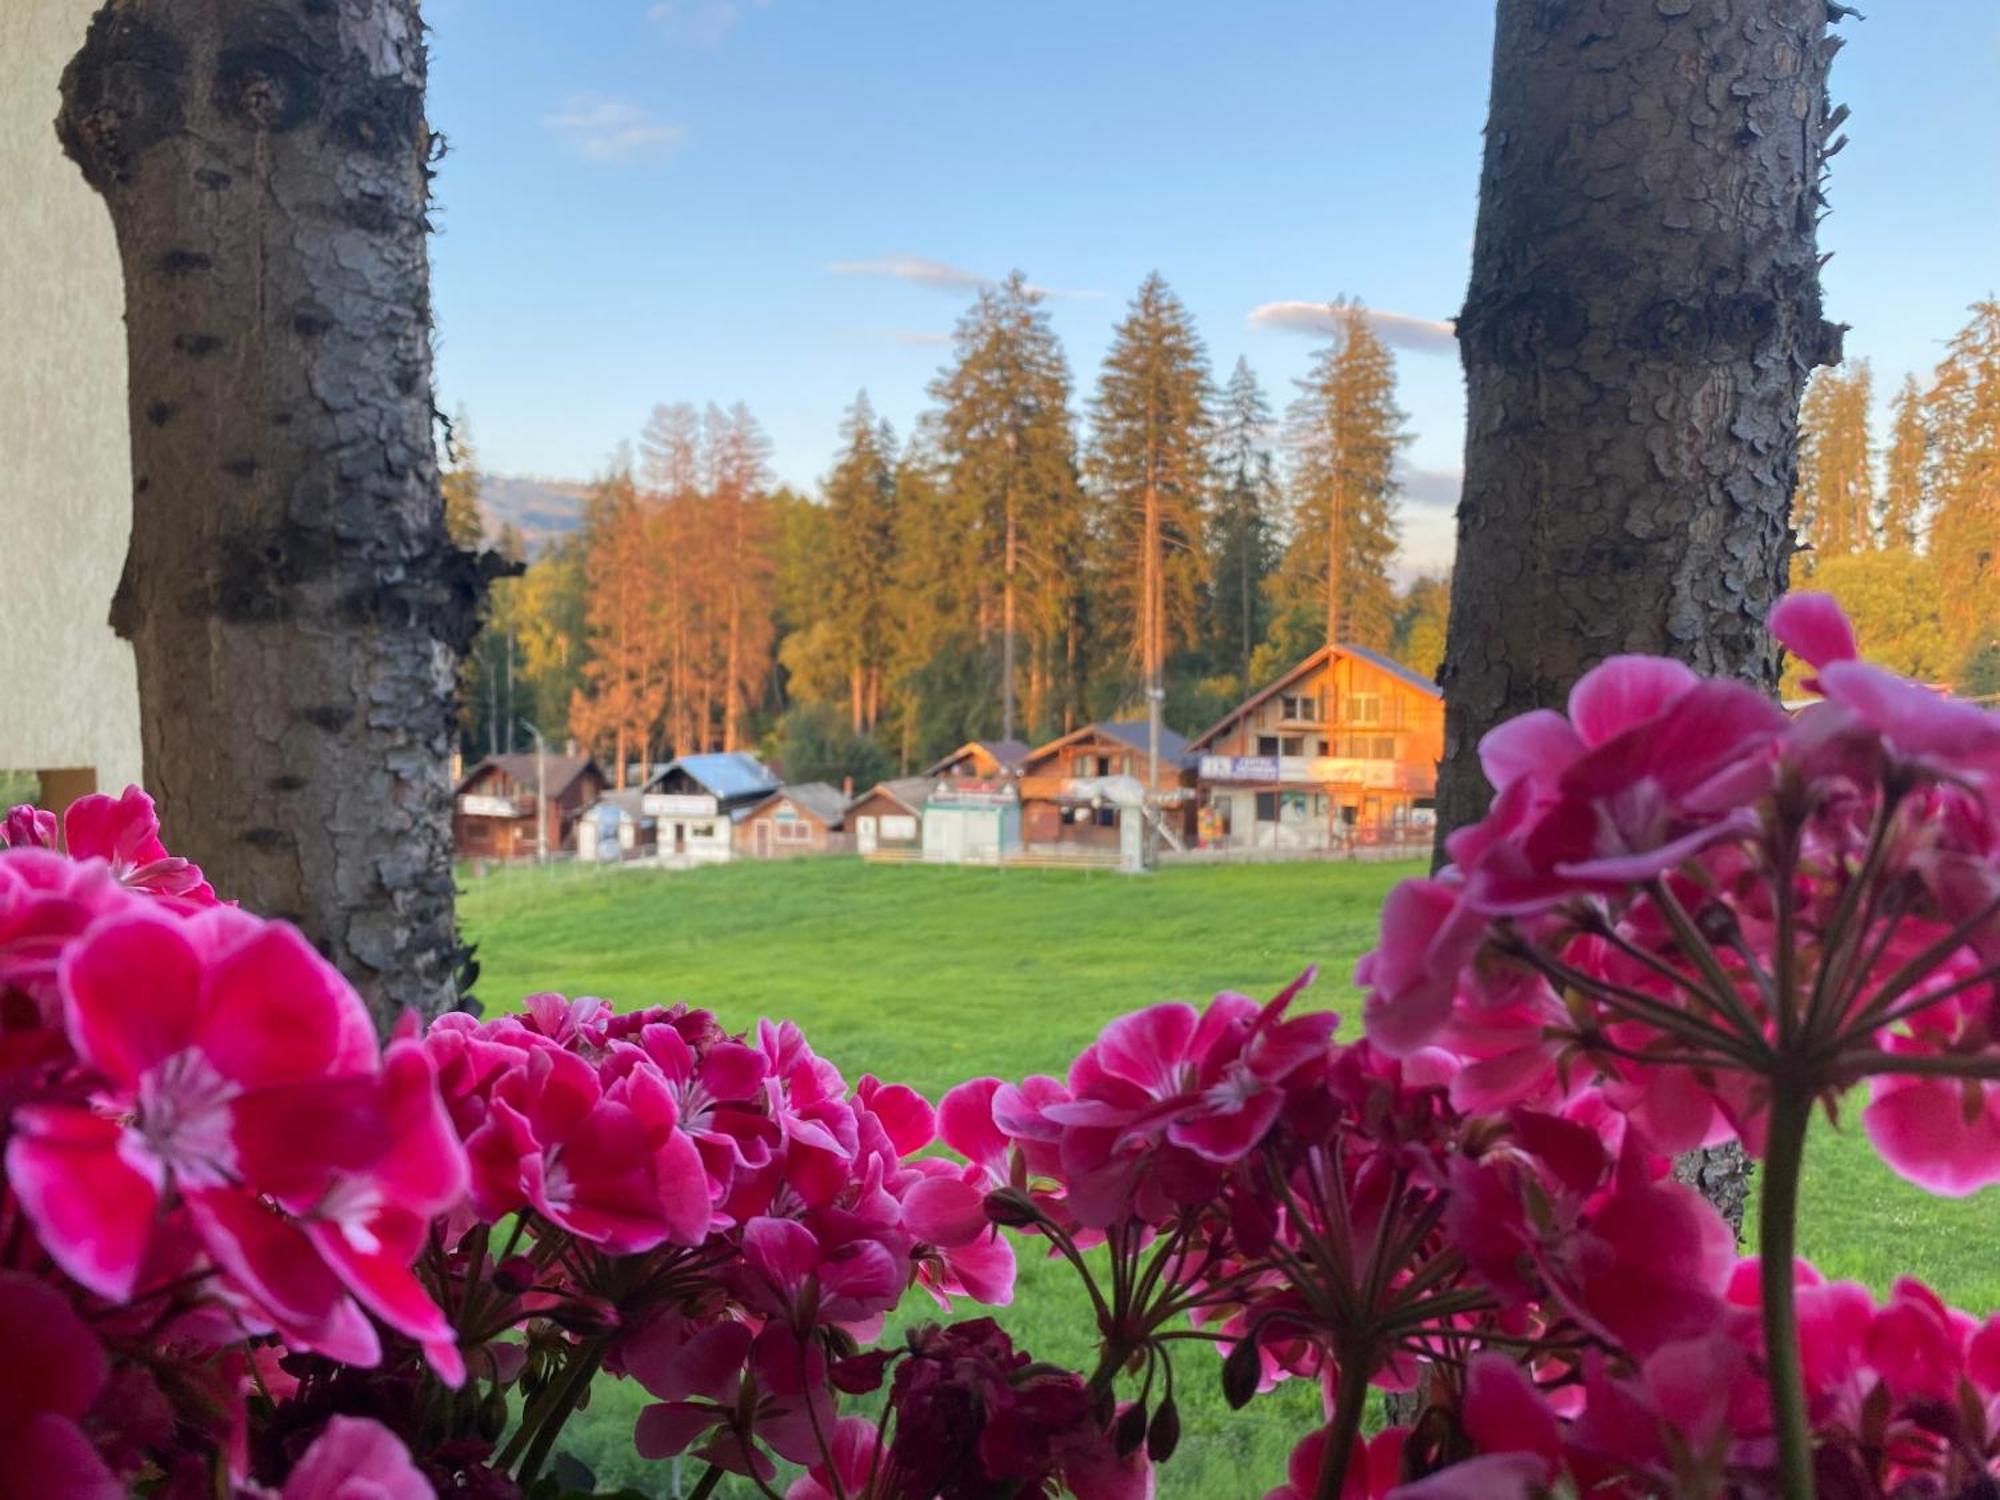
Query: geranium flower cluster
x=205 y=1149
x=245 y=1248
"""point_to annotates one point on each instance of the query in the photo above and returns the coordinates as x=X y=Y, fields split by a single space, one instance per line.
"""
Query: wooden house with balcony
x=493 y=805
x=1340 y=751
x=1076 y=790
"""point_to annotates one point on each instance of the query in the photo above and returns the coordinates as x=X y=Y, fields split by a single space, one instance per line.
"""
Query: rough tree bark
x=294 y=602
x=1643 y=313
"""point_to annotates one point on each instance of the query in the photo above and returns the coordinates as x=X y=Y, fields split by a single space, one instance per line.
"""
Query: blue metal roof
x=728 y=774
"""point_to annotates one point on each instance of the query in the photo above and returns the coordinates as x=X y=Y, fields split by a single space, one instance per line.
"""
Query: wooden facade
x=1059 y=805
x=493 y=805
x=889 y=818
x=807 y=819
x=982 y=760
x=1342 y=749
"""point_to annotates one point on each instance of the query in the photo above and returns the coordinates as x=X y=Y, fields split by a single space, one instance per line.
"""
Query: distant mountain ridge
x=541 y=510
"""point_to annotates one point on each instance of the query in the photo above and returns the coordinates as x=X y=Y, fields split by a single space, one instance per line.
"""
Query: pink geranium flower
x=53 y=1374
x=235 y=1072
x=356 y=1459
x=125 y=831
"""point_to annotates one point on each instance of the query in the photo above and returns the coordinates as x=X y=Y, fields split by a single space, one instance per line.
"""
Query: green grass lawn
x=927 y=976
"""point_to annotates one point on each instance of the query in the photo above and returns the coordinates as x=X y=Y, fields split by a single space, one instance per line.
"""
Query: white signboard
x=898 y=826
x=475 y=806
x=669 y=805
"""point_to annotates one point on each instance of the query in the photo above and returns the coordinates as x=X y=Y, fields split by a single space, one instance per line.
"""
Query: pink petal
x=1146 y=1046
x=1814 y=628
x=92 y=1209
x=1504 y=1413
x=1540 y=743
x=906 y=1115
x=132 y=993
x=1623 y=692
x=1927 y=1132
x=965 y=1120
x=945 y=1211
x=354 y=1458
x=49 y=1456
x=54 y=1363
x=673 y=1368
x=1496 y=1476
x=984 y=1266
x=277 y=1012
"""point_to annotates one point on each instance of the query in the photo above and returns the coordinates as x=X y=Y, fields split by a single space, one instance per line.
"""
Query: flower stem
x=1349 y=1405
x=705 y=1486
x=1777 y=1228
x=574 y=1382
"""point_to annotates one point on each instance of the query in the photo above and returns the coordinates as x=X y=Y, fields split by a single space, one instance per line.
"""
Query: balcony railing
x=473 y=805
x=1318 y=770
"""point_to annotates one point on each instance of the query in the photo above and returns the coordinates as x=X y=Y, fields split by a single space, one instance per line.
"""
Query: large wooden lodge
x=1341 y=750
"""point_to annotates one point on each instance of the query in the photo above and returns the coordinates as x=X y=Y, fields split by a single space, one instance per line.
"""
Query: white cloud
x=1401 y=330
x=699 y=23
x=601 y=129
x=940 y=276
x=1433 y=489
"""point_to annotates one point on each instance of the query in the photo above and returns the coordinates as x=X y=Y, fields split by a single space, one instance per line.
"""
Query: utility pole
x=1007 y=599
x=541 y=793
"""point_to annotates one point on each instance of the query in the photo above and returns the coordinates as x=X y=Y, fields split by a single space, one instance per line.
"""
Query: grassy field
x=928 y=976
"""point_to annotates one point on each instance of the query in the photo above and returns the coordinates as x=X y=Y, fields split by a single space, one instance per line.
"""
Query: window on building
x=1299 y=708
x=1267 y=807
x=1223 y=806
x=1267 y=744
x=793 y=832
x=1292 y=744
x=1325 y=748
x=1107 y=817
x=1364 y=708
x=1385 y=747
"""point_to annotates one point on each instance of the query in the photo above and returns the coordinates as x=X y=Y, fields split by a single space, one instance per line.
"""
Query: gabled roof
x=727 y=775
x=824 y=802
x=911 y=792
x=1306 y=668
x=560 y=771
x=1007 y=754
x=1128 y=732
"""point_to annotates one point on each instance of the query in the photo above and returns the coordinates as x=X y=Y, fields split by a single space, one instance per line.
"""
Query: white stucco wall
x=68 y=696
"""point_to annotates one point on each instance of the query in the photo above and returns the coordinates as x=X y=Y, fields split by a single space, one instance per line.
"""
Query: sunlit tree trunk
x=1643 y=313
x=295 y=605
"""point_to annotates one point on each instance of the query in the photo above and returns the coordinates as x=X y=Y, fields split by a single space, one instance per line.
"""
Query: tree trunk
x=1643 y=313
x=295 y=605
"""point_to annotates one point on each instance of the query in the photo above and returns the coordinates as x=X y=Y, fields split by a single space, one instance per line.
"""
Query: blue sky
x=784 y=201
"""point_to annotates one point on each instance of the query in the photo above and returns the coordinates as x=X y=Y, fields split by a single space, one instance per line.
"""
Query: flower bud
x=514 y=1275
x=1011 y=1208
x=1242 y=1372
x=585 y=1315
x=1164 y=1435
x=1130 y=1429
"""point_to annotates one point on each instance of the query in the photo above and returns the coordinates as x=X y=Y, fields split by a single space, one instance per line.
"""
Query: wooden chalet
x=493 y=805
x=888 y=818
x=810 y=818
x=695 y=801
x=1076 y=789
x=982 y=760
x=1342 y=749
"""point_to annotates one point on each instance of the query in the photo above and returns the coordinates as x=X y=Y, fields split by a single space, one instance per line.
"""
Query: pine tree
x=1422 y=616
x=1835 y=501
x=1007 y=450
x=1343 y=433
x=1905 y=508
x=1964 y=419
x=623 y=695
x=460 y=483
x=1147 y=465
x=1243 y=518
x=739 y=458
x=861 y=550
x=682 y=548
